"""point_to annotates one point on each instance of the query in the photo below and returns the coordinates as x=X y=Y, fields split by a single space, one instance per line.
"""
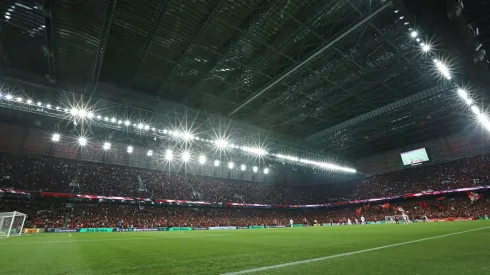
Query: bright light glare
x=243 y=167
x=149 y=153
x=187 y=136
x=231 y=165
x=147 y=127
x=106 y=146
x=140 y=126
x=426 y=47
x=113 y=120
x=82 y=113
x=55 y=137
x=186 y=156
x=255 y=169
x=82 y=141
x=443 y=69
x=127 y=122
x=266 y=171
x=475 y=110
x=90 y=115
x=19 y=99
x=255 y=150
x=29 y=101
x=464 y=95
x=202 y=159
x=216 y=163
x=8 y=97
x=169 y=155
x=414 y=34
x=129 y=149
x=221 y=143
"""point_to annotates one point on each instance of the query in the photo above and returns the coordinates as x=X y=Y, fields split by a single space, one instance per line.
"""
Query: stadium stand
x=41 y=174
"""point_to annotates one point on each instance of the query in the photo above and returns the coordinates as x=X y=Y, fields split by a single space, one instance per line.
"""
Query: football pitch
x=421 y=248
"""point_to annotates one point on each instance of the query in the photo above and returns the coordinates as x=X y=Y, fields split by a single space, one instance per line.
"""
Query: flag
x=473 y=196
x=423 y=204
x=367 y=206
x=386 y=205
x=398 y=208
x=440 y=199
x=358 y=211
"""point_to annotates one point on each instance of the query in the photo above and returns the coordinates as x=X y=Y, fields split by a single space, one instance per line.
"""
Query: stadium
x=244 y=137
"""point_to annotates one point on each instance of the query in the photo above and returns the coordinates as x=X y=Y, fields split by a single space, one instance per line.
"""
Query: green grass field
x=222 y=252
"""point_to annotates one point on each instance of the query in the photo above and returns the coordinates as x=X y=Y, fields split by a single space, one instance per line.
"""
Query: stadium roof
x=341 y=74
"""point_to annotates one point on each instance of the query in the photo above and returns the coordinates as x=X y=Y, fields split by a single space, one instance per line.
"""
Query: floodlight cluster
x=445 y=71
x=324 y=165
x=185 y=156
x=86 y=114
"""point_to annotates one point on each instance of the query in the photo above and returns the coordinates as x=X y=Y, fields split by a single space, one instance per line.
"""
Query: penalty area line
x=259 y=269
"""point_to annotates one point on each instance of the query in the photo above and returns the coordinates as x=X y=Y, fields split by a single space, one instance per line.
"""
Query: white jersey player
x=405 y=218
x=349 y=222
x=363 y=220
x=291 y=222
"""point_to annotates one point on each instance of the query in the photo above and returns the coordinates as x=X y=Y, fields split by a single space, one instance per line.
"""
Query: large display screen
x=414 y=157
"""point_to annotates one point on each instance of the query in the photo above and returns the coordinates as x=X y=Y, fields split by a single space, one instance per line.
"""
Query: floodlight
x=443 y=69
x=82 y=141
x=255 y=169
x=464 y=95
x=57 y=107
x=221 y=143
x=425 y=47
x=99 y=117
x=414 y=34
x=187 y=136
x=8 y=97
x=119 y=121
x=113 y=120
x=140 y=126
x=90 y=115
x=19 y=99
x=243 y=167
x=29 y=101
x=153 y=129
x=39 y=103
x=147 y=127
x=48 y=106
x=266 y=170
x=55 y=137
x=216 y=163
x=231 y=165
x=129 y=149
x=127 y=123
x=106 y=146
x=186 y=156
x=168 y=155
x=475 y=110
x=149 y=153
x=202 y=159
x=106 y=119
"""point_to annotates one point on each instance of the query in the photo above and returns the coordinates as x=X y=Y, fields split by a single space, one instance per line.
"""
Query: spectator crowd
x=54 y=175
x=42 y=174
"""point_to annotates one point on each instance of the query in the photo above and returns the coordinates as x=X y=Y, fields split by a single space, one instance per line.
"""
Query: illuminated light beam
x=443 y=69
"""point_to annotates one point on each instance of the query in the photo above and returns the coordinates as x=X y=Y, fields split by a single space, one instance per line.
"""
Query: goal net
x=11 y=223
x=391 y=219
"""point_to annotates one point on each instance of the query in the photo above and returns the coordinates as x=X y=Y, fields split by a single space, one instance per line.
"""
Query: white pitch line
x=259 y=269
x=122 y=239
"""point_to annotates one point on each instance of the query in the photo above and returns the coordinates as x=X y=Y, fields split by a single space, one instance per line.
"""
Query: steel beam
x=111 y=6
x=149 y=36
x=315 y=54
x=52 y=54
x=202 y=30
x=370 y=115
x=232 y=49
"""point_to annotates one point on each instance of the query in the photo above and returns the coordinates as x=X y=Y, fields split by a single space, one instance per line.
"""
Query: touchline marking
x=258 y=269
x=123 y=239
